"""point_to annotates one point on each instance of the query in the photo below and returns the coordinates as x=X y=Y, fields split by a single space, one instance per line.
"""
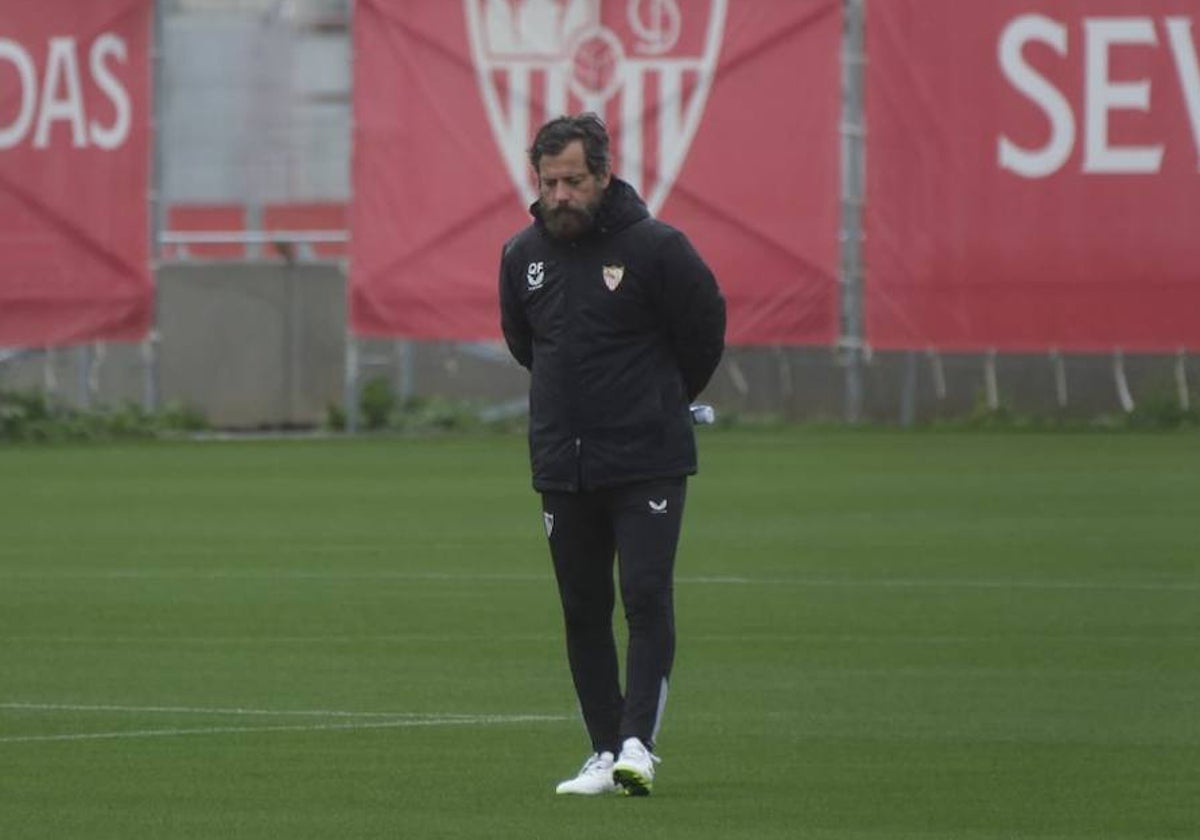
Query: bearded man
x=621 y=325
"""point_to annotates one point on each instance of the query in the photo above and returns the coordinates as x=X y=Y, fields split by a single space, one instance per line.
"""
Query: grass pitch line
x=193 y=710
x=406 y=721
x=1188 y=585
x=293 y=575
x=935 y=583
x=93 y=640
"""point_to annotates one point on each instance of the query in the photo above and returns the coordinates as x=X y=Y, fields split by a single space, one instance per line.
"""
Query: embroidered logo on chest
x=613 y=274
x=535 y=275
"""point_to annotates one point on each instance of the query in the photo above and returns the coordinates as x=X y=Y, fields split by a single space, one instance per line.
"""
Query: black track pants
x=639 y=525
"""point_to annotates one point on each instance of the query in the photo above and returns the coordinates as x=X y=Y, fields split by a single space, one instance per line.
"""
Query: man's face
x=569 y=195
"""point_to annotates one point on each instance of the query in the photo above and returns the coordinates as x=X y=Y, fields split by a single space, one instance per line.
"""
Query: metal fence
x=255 y=114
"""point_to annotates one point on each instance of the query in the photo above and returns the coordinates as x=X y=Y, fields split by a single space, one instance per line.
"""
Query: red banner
x=1032 y=174
x=723 y=114
x=74 y=171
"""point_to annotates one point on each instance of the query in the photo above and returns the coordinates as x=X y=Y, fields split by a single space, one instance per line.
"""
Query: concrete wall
x=250 y=345
x=253 y=344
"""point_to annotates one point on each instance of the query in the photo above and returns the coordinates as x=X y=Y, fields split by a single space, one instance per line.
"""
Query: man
x=621 y=325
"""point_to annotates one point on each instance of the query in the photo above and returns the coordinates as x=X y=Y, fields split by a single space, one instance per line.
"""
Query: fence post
x=1060 y=377
x=1181 y=383
x=350 y=392
x=158 y=210
x=405 y=370
x=83 y=359
x=908 y=390
x=853 y=191
x=1123 y=395
x=938 y=372
x=991 y=389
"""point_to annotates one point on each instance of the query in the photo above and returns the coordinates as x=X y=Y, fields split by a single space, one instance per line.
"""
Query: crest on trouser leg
x=548 y=519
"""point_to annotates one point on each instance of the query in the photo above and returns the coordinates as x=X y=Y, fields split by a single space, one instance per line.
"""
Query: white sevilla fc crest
x=645 y=66
x=612 y=276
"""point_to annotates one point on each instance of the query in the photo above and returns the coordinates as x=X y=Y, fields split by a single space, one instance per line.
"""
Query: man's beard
x=569 y=222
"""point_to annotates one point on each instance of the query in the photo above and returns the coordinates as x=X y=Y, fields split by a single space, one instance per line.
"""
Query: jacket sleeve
x=513 y=323
x=693 y=311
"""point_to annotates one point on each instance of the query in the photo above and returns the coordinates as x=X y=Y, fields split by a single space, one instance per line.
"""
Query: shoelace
x=637 y=756
x=594 y=764
x=653 y=758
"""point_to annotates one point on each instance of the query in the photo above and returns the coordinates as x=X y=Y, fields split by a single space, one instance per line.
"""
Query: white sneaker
x=634 y=770
x=595 y=777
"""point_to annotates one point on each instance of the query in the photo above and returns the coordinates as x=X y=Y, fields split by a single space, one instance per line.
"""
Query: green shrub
x=31 y=416
x=376 y=402
x=335 y=417
x=1162 y=411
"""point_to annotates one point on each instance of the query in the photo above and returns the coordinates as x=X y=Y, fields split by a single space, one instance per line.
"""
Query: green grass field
x=882 y=635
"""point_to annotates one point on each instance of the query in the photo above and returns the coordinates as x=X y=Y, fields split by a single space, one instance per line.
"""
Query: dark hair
x=554 y=136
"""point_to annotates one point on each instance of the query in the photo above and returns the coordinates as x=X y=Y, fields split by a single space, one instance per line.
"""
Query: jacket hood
x=620 y=207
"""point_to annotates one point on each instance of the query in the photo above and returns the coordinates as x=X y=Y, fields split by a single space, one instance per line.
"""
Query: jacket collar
x=620 y=207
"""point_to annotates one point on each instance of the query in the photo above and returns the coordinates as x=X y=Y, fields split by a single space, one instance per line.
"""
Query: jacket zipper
x=579 y=462
x=572 y=259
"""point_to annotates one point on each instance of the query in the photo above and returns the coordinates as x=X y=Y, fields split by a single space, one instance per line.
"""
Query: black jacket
x=620 y=330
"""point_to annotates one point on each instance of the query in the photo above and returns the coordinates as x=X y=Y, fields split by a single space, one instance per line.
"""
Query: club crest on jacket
x=613 y=275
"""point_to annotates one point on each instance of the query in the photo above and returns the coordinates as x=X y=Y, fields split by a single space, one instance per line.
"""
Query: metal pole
x=938 y=373
x=1060 y=378
x=83 y=357
x=291 y=345
x=350 y=395
x=991 y=390
x=150 y=390
x=254 y=225
x=49 y=376
x=908 y=391
x=405 y=371
x=853 y=193
x=1122 y=382
x=350 y=398
x=1181 y=382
